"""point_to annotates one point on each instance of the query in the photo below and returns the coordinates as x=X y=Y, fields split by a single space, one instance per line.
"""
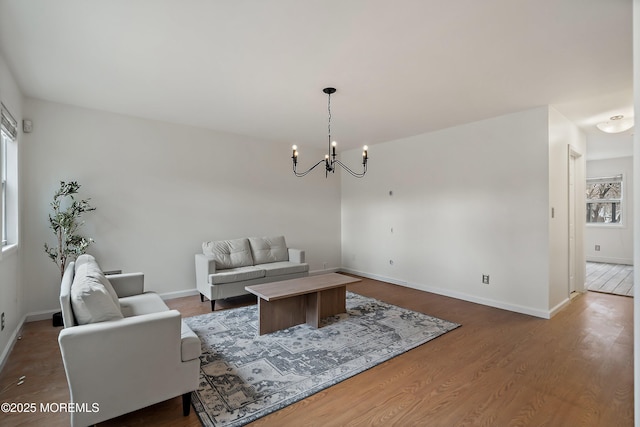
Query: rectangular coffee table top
x=304 y=285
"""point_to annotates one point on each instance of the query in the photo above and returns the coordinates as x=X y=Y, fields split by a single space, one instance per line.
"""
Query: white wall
x=609 y=145
x=615 y=241
x=11 y=295
x=562 y=135
x=467 y=201
x=162 y=189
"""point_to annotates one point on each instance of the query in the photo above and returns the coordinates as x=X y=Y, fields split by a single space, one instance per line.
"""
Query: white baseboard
x=41 y=315
x=11 y=343
x=545 y=314
x=559 y=307
x=610 y=260
x=376 y=277
x=179 y=294
x=325 y=271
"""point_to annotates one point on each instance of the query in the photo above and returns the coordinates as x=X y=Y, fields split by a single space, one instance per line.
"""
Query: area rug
x=244 y=376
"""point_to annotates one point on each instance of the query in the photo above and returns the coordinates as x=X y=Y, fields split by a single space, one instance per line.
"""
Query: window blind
x=9 y=125
x=616 y=178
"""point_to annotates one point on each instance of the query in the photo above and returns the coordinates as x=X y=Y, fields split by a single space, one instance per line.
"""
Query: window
x=604 y=200
x=3 y=196
x=8 y=133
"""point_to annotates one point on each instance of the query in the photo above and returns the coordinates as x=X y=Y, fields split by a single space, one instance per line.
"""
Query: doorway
x=575 y=255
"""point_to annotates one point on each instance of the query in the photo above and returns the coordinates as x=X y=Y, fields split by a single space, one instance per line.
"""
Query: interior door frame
x=575 y=204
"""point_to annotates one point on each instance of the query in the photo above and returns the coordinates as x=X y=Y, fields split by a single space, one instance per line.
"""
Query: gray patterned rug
x=244 y=376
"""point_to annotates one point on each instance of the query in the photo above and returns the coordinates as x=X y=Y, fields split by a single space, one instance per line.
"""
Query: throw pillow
x=269 y=249
x=92 y=302
x=86 y=265
x=229 y=253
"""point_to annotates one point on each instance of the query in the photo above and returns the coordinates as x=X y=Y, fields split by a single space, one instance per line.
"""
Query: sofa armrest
x=296 y=255
x=153 y=336
x=127 y=284
x=205 y=265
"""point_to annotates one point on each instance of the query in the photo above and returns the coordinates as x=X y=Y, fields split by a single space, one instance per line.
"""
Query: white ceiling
x=257 y=67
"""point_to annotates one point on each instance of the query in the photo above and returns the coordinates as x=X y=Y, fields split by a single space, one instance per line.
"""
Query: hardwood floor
x=499 y=369
x=610 y=278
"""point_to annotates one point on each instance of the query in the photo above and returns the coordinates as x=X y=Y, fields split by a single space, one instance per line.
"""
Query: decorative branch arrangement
x=65 y=221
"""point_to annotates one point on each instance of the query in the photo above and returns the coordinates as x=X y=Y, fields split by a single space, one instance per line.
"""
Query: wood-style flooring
x=610 y=278
x=499 y=369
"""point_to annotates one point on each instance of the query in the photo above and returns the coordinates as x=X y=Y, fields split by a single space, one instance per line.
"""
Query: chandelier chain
x=329 y=123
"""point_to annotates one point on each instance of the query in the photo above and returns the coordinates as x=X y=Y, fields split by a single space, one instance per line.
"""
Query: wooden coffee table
x=304 y=300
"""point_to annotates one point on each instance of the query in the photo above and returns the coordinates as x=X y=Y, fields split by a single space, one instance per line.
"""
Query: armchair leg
x=213 y=304
x=186 y=404
x=201 y=298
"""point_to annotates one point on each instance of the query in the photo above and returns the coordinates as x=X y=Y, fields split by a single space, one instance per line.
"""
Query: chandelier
x=331 y=159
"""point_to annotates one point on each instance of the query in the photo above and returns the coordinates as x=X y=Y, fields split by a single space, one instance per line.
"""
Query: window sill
x=603 y=225
x=9 y=249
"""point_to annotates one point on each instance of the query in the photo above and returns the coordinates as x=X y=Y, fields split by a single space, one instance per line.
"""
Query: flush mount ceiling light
x=616 y=124
x=330 y=160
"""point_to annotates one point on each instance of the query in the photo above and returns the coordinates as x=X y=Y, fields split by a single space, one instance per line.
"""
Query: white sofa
x=225 y=267
x=122 y=348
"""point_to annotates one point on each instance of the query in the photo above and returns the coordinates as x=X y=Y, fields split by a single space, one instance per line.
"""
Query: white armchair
x=118 y=366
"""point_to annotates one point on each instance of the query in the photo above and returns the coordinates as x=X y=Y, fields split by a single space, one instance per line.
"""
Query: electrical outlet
x=2 y=322
x=485 y=279
x=597 y=247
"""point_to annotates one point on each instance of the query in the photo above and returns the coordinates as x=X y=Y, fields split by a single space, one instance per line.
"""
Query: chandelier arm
x=301 y=174
x=355 y=174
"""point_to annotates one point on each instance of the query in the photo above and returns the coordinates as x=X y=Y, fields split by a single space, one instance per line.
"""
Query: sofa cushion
x=190 y=343
x=235 y=275
x=146 y=303
x=283 y=267
x=268 y=249
x=229 y=253
x=91 y=301
x=86 y=265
